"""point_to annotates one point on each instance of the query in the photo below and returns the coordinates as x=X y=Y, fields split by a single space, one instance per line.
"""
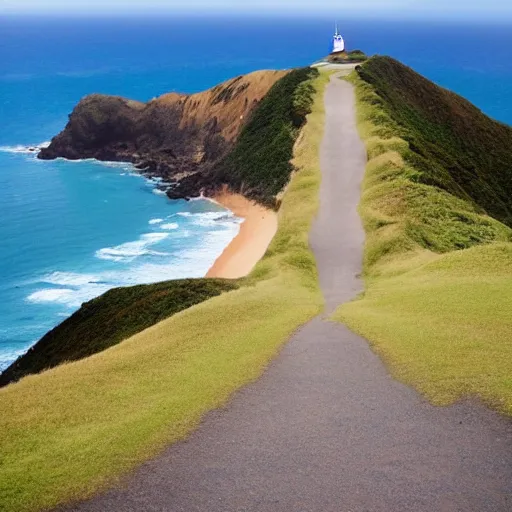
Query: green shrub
x=259 y=165
x=109 y=319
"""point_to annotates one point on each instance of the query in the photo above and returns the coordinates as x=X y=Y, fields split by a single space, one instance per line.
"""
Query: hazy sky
x=498 y=9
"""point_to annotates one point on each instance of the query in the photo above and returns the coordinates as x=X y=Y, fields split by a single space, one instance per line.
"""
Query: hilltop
x=346 y=57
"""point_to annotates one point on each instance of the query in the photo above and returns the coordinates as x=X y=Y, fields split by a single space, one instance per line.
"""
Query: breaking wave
x=59 y=295
x=131 y=250
x=32 y=149
x=139 y=263
x=170 y=225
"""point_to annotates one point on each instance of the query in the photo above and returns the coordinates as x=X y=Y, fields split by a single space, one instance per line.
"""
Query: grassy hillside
x=259 y=166
x=452 y=144
x=72 y=430
x=111 y=318
x=438 y=269
x=347 y=57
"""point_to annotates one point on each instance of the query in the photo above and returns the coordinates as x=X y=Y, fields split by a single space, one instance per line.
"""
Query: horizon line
x=317 y=15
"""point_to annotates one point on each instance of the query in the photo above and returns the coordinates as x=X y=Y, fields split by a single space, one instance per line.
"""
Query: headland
x=181 y=139
x=246 y=177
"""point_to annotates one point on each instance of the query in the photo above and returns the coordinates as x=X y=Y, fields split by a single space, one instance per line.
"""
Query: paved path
x=326 y=429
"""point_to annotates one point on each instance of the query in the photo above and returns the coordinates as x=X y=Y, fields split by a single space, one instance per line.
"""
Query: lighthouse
x=338 y=44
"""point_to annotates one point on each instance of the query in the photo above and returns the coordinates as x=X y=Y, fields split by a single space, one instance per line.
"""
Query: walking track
x=326 y=428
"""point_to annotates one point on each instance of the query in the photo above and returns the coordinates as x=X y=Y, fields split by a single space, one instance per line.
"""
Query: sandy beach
x=249 y=246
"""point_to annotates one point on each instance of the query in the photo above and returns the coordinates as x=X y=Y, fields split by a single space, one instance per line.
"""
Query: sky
x=437 y=9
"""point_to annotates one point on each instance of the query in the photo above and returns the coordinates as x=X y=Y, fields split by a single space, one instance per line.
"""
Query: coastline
x=250 y=244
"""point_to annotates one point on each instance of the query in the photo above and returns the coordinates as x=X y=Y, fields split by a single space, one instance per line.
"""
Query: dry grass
x=230 y=102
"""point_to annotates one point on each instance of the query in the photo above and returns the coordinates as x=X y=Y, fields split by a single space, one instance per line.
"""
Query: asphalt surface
x=326 y=428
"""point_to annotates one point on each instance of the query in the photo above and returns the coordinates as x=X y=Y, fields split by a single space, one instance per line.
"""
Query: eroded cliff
x=175 y=136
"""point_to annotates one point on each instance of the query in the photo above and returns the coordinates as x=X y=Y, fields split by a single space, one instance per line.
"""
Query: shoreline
x=250 y=244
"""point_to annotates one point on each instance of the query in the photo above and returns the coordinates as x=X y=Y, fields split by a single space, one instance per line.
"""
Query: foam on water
x=170 y=225
x=155 y=256
x=68 y=279
x=10 y=355
x=31 y=149
x=71 y=289
x=131 y=250
x=59 y=295
x=212 y=219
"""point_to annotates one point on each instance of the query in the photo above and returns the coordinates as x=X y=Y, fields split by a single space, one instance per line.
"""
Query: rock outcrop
x=176 y=137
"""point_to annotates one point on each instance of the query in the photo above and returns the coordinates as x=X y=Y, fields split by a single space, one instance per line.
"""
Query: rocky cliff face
x=176 y=137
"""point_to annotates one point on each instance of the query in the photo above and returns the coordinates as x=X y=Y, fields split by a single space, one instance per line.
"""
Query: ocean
x=72 y=230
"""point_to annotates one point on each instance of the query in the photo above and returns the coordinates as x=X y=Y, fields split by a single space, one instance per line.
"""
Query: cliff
x=175 y=136
x=239 y=134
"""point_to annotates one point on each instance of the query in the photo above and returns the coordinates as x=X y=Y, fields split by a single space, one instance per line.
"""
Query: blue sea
x=71 y=230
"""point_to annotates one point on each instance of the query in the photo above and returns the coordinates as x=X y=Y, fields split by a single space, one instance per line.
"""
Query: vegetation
x=260 y=164
x=438 y=270
x=72 y=430
x=111 y=318
x=347 y=57
x=452 y=144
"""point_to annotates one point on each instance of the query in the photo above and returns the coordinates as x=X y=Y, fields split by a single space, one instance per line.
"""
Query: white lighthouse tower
x=338 y=44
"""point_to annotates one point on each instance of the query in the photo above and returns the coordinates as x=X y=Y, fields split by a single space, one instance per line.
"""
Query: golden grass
x=439 y=317
x=445 y=327
x=73 y=430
